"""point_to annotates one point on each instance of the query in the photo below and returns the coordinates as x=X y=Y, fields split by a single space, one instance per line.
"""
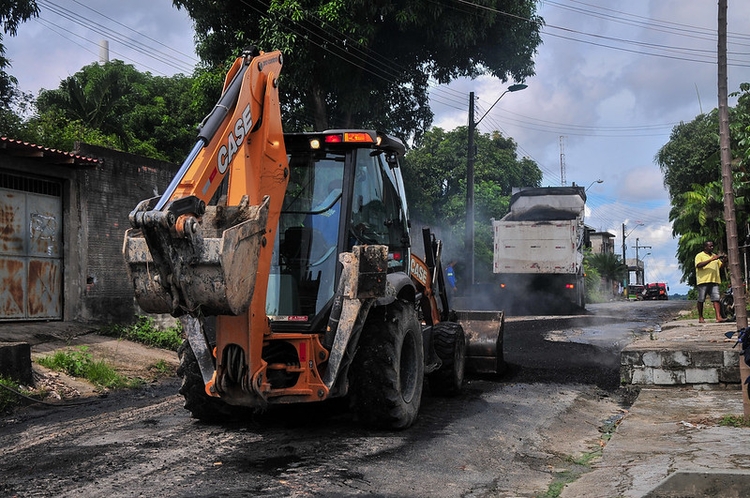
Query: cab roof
x=346 y=138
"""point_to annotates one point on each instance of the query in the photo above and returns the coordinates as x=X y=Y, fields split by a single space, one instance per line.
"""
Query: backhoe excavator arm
x=188 y=257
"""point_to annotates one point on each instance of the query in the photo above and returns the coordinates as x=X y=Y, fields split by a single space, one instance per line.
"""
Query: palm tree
x=698 y=216
x=610 y=266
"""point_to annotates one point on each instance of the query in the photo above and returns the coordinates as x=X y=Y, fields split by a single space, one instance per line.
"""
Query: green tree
x=692 y=174
x=435 y=179
x=692 y=155
x=12 y=14
x=115 y=105
x=697 y=215
x=594 y=283
x=608 y=265
x=368 y=64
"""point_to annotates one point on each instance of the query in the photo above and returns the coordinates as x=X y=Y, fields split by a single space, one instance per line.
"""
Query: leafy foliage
x=692 y=174
x=8 y=398
x=12 y=100
x=353 y=63
x=698 y=216
x=692 y=155
x=609 y=266
x=145 y=331
x=114 y=105
x=435 y=180
x=80 y=363
x=12 y=14
x=593 y=281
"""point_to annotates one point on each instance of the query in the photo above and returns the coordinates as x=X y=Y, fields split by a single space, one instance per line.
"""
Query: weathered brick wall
x=108 y=193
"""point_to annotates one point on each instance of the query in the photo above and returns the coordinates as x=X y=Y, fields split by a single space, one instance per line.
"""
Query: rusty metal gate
x=30 y=248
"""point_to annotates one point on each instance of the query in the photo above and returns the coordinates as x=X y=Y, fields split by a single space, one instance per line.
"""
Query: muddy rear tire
x=387 y=374
x=449 y=341
x=202 y=406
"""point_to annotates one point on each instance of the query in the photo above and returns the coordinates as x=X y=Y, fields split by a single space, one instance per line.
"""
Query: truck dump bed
x=536 y=246
x=542 y=233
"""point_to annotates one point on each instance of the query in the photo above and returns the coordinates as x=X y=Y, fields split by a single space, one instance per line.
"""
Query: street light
x=595 y=181
x=511 y=88
x=470 y=175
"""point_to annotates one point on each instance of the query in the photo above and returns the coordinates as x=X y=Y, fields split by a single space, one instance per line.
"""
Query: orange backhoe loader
x=288 y=259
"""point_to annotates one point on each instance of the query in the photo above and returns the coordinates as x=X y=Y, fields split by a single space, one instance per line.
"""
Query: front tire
x=202 y=406
x=388 y=368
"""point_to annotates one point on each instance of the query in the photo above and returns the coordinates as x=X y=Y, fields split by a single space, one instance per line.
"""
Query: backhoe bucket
x=484 y=332
x=210 y=271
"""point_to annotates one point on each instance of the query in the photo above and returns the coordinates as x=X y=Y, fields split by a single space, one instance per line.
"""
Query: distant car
x=656 y=291
x=635 y=292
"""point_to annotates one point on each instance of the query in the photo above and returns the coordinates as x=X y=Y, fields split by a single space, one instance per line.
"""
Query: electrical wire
x=127 y=41
x=46 y=403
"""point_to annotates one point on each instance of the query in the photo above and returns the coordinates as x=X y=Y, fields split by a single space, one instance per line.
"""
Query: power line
x=108 y=32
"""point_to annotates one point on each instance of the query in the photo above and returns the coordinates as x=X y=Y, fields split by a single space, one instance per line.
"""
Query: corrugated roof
x=18 y=148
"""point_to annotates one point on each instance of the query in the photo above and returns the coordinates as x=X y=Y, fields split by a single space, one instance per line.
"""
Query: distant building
x=602 y=242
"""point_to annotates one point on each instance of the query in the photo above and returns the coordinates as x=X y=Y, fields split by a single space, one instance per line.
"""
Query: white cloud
x=596 y=86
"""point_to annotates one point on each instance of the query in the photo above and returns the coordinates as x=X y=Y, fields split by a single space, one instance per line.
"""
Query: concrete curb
x=682 y=353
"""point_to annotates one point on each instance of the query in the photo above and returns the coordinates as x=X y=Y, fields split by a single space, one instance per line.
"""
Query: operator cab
x=345 y=189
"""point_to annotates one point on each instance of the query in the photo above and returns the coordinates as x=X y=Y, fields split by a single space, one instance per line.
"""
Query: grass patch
x=145 y=331
x=734 y=421
x=80 y=363
x=708 y=313
x=581 y=465
x=576 y=468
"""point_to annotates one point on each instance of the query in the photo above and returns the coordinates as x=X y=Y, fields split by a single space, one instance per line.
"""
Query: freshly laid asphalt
x=668 y=444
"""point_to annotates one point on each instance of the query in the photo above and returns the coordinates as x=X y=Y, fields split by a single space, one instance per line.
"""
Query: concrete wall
x=108 y=193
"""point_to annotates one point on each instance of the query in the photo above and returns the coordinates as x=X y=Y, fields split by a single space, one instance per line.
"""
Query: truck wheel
x=449 y=341
x=388 y=368
x=202 y=406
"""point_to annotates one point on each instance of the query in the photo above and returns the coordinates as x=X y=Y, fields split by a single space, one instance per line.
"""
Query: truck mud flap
x=484 y=332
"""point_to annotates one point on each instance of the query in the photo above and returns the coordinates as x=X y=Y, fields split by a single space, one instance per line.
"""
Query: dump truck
x=288 y=259
x=538 y=250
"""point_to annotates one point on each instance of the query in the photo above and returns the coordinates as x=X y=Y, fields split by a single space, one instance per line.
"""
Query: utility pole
x=725 y=154
x=471 y=154
x=469 y=245
x=639 y=280
x=625 y=262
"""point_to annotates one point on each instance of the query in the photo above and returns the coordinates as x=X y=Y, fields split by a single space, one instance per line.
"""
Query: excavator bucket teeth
x=484 y=332
x=211 y=271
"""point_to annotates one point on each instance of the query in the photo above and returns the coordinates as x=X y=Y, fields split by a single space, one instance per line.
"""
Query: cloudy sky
x=612 y=79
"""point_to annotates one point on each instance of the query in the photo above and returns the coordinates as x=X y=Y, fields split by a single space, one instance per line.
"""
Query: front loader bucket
x=211 y=272
x=484 y=332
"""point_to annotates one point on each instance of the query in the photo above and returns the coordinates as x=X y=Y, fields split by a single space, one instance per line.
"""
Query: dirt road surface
x=515 y=436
